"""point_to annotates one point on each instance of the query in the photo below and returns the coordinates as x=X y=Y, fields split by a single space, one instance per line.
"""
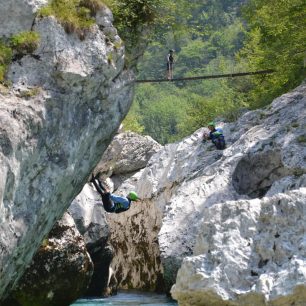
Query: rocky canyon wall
x=65 y=101
x=231 y=222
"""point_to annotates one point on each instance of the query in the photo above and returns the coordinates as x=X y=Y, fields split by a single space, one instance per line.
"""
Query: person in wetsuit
x=111 y=202
x=216 y=136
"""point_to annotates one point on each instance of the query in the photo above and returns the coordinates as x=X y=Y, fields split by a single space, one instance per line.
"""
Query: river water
x=129 y=299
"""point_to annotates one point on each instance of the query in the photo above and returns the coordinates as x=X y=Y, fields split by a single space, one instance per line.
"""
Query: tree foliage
x=277 y=40
x=220 y=36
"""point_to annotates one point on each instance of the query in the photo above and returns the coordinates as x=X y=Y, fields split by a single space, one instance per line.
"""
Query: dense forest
x=213 y=37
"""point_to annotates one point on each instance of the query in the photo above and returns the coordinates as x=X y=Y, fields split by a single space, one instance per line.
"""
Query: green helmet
x=133 y=196
x=211 y=123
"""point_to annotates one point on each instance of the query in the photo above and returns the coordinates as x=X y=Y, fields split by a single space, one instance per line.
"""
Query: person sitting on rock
x=111 y=202
x=216 y=136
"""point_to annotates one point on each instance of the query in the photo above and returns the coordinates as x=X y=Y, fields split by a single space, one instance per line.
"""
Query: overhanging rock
x=65 y=103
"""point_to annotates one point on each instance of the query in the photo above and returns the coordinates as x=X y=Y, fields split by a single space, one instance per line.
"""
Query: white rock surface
x=89 y=216
x=51 y=141
x=184 y=184
x=127 y=153
x=248 y=252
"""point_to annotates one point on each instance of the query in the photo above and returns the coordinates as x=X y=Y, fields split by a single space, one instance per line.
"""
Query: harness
x=120 y=208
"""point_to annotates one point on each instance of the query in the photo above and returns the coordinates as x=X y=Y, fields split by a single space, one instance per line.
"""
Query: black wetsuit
x=111 y=203
x=108 y=204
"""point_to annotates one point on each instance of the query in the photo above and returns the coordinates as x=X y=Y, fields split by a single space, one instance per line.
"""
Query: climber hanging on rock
x=113 y=203
x=170 y=62
x=215 y=135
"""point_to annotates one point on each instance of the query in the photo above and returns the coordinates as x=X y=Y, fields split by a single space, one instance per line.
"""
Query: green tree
x=277 y=40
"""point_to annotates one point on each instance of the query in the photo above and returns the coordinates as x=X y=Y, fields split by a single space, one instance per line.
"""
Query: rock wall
x=60 y=271
x=90 y=218
x=248 y=253
x=127 y=154
x=200 y=201
x=52 y=138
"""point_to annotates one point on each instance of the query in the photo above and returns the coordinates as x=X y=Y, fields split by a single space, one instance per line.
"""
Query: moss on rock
x=74 y=15
x=5 y=59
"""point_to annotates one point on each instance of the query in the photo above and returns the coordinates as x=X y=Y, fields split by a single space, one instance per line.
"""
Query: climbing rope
x=216 y=76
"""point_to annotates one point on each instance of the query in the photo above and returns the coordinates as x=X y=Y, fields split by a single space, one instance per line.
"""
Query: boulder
x=128 y=153
x=248 y=252
x=60 y=272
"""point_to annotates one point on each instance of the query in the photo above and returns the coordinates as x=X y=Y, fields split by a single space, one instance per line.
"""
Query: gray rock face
x=90 y=217
x=60 y=271
x=198 y=203
x=51 y=141
x=18 y=15
x=127 y=153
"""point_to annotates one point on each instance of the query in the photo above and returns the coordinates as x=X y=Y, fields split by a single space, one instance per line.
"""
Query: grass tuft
x=74 y=15
x=5 y=59
x=93 y=5
x=302 y=139
x=25 y=42
x=29 y=93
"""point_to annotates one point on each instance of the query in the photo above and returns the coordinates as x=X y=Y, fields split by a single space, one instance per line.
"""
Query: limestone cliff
x=239 y=214
x=66 y=100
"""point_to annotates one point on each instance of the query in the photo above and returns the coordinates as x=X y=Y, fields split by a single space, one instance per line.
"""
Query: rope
x=216 y=76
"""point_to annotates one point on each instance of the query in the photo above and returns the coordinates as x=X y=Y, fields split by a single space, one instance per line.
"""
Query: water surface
x=129 y=299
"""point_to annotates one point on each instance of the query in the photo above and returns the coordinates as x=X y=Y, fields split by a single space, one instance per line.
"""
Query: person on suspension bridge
x=111 y=202
x=170 y=62
x=215 y=135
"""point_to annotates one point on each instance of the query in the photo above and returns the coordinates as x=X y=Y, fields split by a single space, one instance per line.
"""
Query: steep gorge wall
x=51 y=140
x=207 y=206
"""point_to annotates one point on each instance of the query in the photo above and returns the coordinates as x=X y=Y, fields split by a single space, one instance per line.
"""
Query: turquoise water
x=129 y=299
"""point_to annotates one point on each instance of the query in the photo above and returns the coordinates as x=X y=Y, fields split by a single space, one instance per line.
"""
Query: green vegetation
x=206 y=39
x=5 y=59
x=212 y=37
x=29 y=93
x=92 y=5
x=276 y=39
x=18 y=45
x=76 y=16
x=302 y=139
x=25 y=42
x=131 y=17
